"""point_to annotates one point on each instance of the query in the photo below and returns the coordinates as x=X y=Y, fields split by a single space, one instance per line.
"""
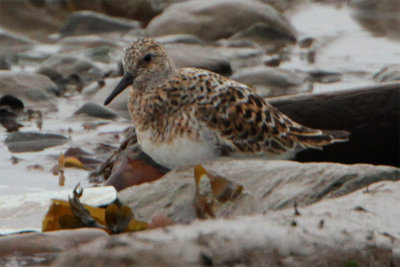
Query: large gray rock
x=208 y=19
x=29 y=87
x=268 y=185
x=89 y=22
x=204 y=57
x=359 y=229
x=269 y=82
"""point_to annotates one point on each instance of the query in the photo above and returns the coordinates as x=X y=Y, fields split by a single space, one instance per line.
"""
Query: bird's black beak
x=123 y=83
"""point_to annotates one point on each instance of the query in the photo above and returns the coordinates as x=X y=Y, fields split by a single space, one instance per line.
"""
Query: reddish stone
x=129 y=172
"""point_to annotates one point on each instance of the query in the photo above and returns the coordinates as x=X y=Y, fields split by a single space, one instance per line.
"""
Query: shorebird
x=188 y=116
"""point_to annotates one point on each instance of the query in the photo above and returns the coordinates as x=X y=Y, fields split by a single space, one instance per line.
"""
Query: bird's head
x=145 y=64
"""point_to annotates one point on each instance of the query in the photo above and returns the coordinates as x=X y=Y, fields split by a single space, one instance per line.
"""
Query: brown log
x=371 y=114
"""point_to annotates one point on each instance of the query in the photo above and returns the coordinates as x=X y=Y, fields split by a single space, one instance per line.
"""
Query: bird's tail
x=315 y=138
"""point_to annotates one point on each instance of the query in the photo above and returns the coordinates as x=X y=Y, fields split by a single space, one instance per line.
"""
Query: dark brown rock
x=371 y=115
x=128 y=172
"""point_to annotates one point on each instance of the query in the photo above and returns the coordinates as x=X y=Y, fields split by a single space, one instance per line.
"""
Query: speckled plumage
x=187 y=116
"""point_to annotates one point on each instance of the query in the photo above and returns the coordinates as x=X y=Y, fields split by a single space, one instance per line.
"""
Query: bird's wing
x=242 y=120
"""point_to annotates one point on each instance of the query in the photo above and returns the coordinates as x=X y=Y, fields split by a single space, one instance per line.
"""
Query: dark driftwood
x=372 y=115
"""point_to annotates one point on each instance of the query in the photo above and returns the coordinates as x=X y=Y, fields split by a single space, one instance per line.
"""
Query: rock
x=370 y=114
x=283 y=5
x=388 y=74
x=142 y=10
x=323 y=76
x=13 y=102
x=8 y=119
x=268 y=185
x=88 y=160
x=273 y=82
x=273 y=61
x=306 y=42
x=12 y=39
x=27 y=86
x=89 y=22
x=197 y=56
x=127 y=165
x=241 y=53
x=100 y=54
x=31 y=248
x=267 y=36
x=129 y=172
x=63 y=68
x=24 y=18
x=381 y=18
x=72 y=43
x=11 y=43
x=207 y=19
x=33 y=141
x=4 y=64
x=96 y=110
x=99 y=94
x=179 y=38
x=332 y=232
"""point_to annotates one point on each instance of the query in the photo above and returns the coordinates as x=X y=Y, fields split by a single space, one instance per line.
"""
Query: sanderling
x=188 y=116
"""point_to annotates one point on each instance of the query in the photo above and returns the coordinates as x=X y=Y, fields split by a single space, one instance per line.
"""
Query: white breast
x=179 y=152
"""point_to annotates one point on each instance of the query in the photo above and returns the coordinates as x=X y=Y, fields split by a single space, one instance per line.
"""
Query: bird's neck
x=146 y=109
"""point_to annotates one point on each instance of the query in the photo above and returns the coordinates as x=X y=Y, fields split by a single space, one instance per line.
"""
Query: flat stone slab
x=267 y=185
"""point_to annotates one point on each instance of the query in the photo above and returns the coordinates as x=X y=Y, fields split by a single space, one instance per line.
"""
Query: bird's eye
x=147 y=57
